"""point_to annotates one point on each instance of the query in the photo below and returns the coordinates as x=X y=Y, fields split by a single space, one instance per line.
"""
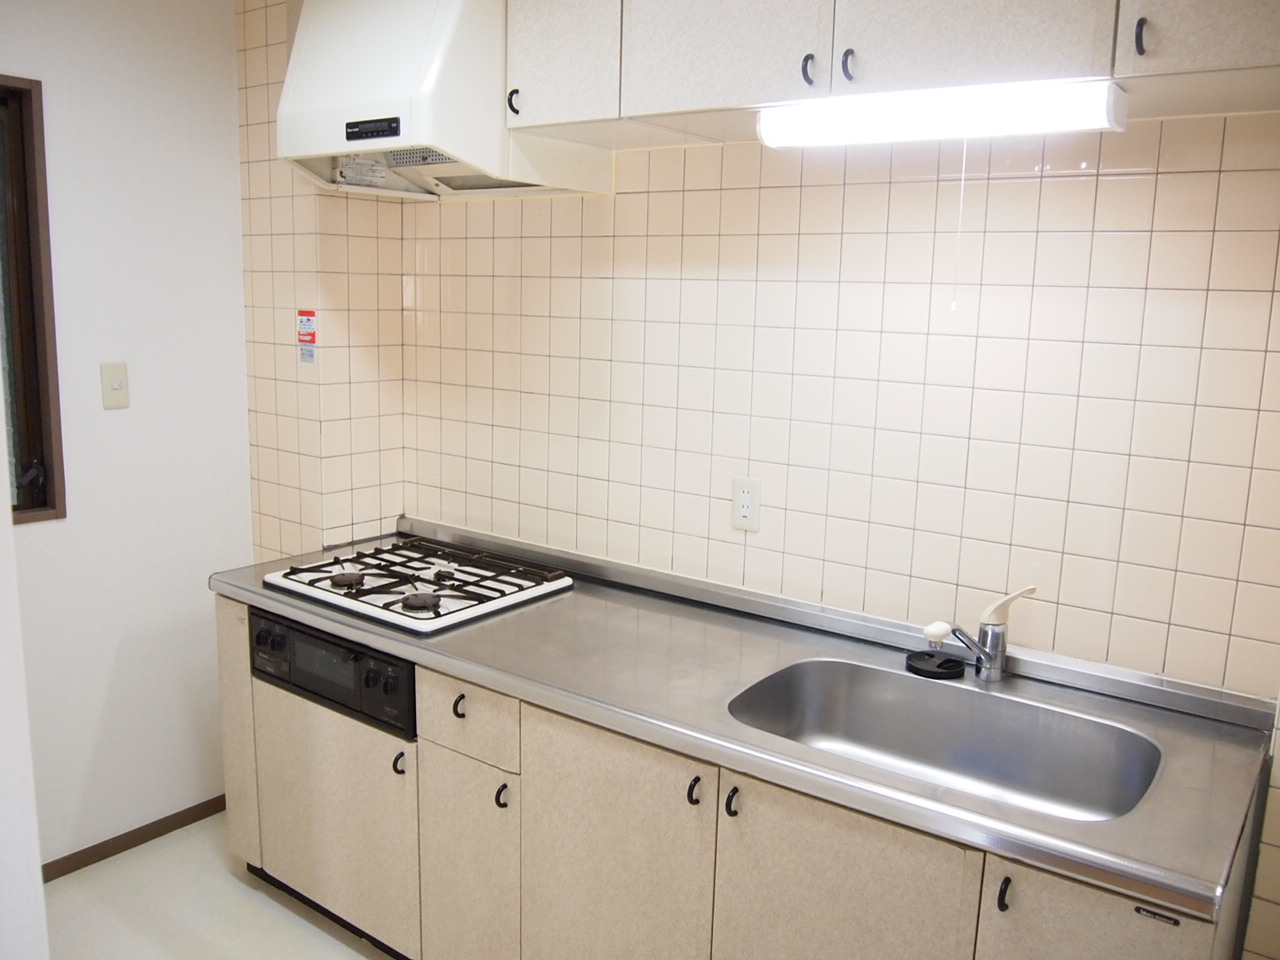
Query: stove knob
x=277 y=642
x=390 y=685
x=262 y=637
x=372 y=678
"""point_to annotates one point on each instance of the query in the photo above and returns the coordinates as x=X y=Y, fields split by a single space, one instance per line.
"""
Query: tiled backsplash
x=955 y=370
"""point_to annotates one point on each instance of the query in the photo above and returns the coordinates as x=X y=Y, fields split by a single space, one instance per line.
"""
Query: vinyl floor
x=184 y=897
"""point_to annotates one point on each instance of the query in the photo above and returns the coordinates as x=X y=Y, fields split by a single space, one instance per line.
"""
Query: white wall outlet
x=745 y=504
x=115 y=386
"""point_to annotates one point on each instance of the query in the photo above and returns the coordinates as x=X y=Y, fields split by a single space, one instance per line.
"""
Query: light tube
x=946 y=113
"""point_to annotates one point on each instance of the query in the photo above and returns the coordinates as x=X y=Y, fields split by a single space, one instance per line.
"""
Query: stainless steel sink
x=957 y=737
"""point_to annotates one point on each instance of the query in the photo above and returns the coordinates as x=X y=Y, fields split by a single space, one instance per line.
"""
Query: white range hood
x=408 y=97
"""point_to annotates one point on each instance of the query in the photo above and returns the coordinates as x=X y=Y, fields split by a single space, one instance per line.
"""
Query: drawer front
x=469 y=719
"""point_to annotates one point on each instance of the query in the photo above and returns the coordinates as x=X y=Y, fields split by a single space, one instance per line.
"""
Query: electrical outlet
x=745 y=504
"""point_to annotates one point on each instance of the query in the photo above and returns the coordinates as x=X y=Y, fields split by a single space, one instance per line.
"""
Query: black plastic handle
x=728 y=802
x=1001 y=900
x=395 y=764
x=511 y=100
x=688 y=795
x=805 y=64
x=1139 y=41
x=457 y=702
x=845 y=68
x=497 y=797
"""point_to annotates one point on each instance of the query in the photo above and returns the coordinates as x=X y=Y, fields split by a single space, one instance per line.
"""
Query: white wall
x=141 y=134
x=22 y=919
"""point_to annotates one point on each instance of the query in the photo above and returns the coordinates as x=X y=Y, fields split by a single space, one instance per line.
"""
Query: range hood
x=407 y=97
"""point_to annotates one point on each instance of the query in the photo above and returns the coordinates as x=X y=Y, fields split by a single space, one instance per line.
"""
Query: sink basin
x=955 y=737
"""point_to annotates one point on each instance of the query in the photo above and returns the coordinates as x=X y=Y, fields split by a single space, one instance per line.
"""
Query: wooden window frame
x=30 y=277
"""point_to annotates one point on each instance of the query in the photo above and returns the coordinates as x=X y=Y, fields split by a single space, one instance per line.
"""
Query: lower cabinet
x=617 y=845
x=470 y=846
x=801 y=878
x=1028 y=914
x=338 y=811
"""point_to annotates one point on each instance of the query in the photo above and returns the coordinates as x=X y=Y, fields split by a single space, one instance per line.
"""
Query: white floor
x=183 y=897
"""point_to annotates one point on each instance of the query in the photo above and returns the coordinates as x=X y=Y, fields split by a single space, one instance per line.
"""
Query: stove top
x=419 y=584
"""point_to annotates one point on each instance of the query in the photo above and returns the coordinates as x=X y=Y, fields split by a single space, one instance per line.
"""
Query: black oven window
x=27 y=346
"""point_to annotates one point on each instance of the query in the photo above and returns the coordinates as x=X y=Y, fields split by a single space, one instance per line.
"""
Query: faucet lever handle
x=998 y=613
x=937 y=632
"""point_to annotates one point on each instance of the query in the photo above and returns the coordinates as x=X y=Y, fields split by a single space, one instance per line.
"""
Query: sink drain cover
x=934 y=665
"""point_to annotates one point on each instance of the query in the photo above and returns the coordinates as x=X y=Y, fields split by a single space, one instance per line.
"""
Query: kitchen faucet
x=993 y=635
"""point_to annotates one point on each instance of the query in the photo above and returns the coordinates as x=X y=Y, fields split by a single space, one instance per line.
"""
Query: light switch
x=115 y=386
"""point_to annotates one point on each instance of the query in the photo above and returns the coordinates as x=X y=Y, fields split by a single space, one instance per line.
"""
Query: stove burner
x=347 y=580
x=421 y=601
x=443 y=576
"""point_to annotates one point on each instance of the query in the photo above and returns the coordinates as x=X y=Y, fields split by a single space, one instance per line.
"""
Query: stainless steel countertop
x=663 y=669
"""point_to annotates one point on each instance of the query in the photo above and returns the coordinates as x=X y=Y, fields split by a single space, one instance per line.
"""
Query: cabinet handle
x=497 y=797
x=511 y=100
x=457 y=702
x=395 y=764
x=693 y=785
x=1001 y=900
x=1139 y=42
x=804 y=68
x=844 y=65
x=728 y=802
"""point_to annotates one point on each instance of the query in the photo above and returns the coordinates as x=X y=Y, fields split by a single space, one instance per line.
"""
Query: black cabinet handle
x=728 y=802
x=693 y=785
x=805 y=64
x=1001 y=902
x=497 y=797
x=1139 y=41
x=511 y=100
x=395 y=764
x=845 y=68
x=458 y=703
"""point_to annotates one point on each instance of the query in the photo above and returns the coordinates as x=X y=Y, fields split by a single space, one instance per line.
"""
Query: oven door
x=328 y=670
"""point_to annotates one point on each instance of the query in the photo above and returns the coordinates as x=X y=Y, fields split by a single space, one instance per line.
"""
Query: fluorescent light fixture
x=946 y=113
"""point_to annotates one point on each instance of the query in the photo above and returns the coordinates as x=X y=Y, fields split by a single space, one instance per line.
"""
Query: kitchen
x=182 y=333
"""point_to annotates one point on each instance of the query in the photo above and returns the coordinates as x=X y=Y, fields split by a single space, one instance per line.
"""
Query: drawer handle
x=457 y=702
x=693 y=785
x=1001 y=900
x=395 y=764
x=511 y=100
x=1139 y=41
x=497 y=797
x=844 y=65
x=804 y=68
x=728 y=802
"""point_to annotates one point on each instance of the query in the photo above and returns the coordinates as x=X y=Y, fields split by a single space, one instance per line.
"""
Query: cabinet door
x=710 y=54
x=339 y=822
x=910 y=44
x=1181 y=36
x=470 y=830
x=615 y=860
x=801 y=878
x=1051 y=918
x=563 y=56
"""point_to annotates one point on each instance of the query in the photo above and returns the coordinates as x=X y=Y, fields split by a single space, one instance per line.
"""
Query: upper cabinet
x=1182 y=36
x=562 y=61
x=924 y=43
x=680 y=55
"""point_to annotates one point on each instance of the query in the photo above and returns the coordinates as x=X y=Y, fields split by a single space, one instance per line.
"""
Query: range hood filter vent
x=418 y=157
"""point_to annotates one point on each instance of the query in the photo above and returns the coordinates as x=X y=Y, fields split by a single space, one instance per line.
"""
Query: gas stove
x=419 y=584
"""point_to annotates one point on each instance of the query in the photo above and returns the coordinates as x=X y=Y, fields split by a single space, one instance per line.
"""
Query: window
x=27 y=347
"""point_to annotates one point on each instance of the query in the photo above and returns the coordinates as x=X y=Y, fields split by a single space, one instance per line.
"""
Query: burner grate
x=420 y=583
